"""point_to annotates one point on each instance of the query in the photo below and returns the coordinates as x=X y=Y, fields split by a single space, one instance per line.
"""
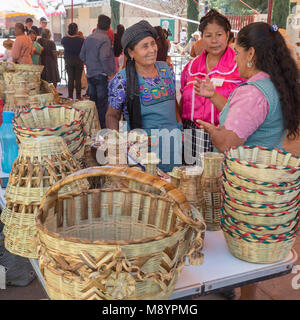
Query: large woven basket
x=260 y=196
x=116 y=243
x=41 y=163
x=62 y=121
x=254 y=248
x=263 y=164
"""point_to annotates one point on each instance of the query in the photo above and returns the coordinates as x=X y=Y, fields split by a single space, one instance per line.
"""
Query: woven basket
x=40 y=100
x=211 y=209
x=116 y=243
x=41 y=163
x=256 y=184
x=55 y=120
x=260 y=196
x=262 y=218
x=29 y=68
x=213 y=162
x=259 y=229
x=253 y=248
x=91 y=119
x=263 y=164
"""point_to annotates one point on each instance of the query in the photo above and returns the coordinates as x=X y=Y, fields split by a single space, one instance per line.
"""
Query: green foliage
x=281 y=10
x=115 y=14
x=235 y=7
x=192 y=14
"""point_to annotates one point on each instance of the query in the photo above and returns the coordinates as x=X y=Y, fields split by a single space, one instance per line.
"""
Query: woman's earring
x=250 y=64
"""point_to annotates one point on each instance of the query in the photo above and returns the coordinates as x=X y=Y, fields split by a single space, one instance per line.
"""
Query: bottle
x=8 y=142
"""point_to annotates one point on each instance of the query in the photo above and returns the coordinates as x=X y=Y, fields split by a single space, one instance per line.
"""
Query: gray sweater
x=97 y=54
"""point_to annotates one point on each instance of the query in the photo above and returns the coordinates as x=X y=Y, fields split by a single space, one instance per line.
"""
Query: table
x=220 y=270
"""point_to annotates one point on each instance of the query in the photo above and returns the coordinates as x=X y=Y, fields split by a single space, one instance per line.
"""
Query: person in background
x=43 y=25
x=217 y=63
x=37 y=48
x=28 y=25
x=118 y=50
x=22 y=48
x=72 y=44
x=291 y=47
x=265 y=109
x=49 y=58
x=7 y=44
x=197 y=47
x=162 y=44
x=182 y=37
x=97 y=54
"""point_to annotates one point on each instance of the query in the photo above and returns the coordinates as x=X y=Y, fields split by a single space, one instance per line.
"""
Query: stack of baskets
x=111 y=243
x=63 y=121
x=21 y=82
x=211 y=183
x=260 y=218
x=41 y=162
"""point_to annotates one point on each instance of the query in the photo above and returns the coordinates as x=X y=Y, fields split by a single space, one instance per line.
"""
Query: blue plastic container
x=8 y=142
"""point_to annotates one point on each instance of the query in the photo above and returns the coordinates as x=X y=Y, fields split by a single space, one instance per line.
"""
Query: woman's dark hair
x=72 y=29
x=213 y=16
x=117 y=40
x=32 y=32
x=162 y=44
x=35 y=29
x=103 y=22
x=273 y=57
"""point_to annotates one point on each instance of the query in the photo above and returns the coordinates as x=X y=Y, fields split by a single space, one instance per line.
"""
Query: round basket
x=263 y=164
x=259 y=229
x=116 y=243
x=256 y=184
x=259 y=196
x=262 y=218
x=62 y=121
x=258 y=249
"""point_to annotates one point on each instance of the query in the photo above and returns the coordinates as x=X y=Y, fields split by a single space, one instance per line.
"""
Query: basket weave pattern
x=260 y=219
x=116 y=243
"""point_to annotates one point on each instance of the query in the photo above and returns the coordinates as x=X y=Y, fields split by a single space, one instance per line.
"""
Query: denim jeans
x=98 y=91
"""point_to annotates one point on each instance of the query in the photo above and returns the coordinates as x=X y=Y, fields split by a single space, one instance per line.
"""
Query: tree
x=236 y=7
x=192 y=14
x=115 y=14
x=281 y=10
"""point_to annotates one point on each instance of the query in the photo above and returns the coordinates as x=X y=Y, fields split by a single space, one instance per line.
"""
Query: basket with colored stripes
x=262 y=218
x=263 y=164
x=256 y=184
x=254 y=248
x=116 y=243
x=63 y=121
x=260 y=196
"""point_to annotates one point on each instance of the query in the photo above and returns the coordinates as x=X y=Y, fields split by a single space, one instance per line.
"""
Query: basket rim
x=23 y=111
x=261 y=192
x=258 y=182
x=184 y=207
x=262 y=166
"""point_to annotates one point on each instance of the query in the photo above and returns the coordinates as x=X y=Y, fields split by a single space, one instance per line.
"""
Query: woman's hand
x=208 y=127
x=204 y=88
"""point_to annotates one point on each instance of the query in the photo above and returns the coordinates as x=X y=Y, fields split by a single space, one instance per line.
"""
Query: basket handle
x=120 y=172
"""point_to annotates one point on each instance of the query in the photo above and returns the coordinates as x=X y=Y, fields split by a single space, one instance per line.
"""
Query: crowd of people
x=239 y=91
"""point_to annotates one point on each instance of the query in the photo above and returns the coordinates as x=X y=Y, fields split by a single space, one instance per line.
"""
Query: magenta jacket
x=225 y=77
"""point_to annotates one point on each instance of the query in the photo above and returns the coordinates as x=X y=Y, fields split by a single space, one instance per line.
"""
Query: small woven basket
x=253 y=248
x=213 y=162
x=256 y=184
x=116 y=243
x=50 y=120
x=263 y=164
x=213 y=202
x=260 y=196
x=41 y=162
